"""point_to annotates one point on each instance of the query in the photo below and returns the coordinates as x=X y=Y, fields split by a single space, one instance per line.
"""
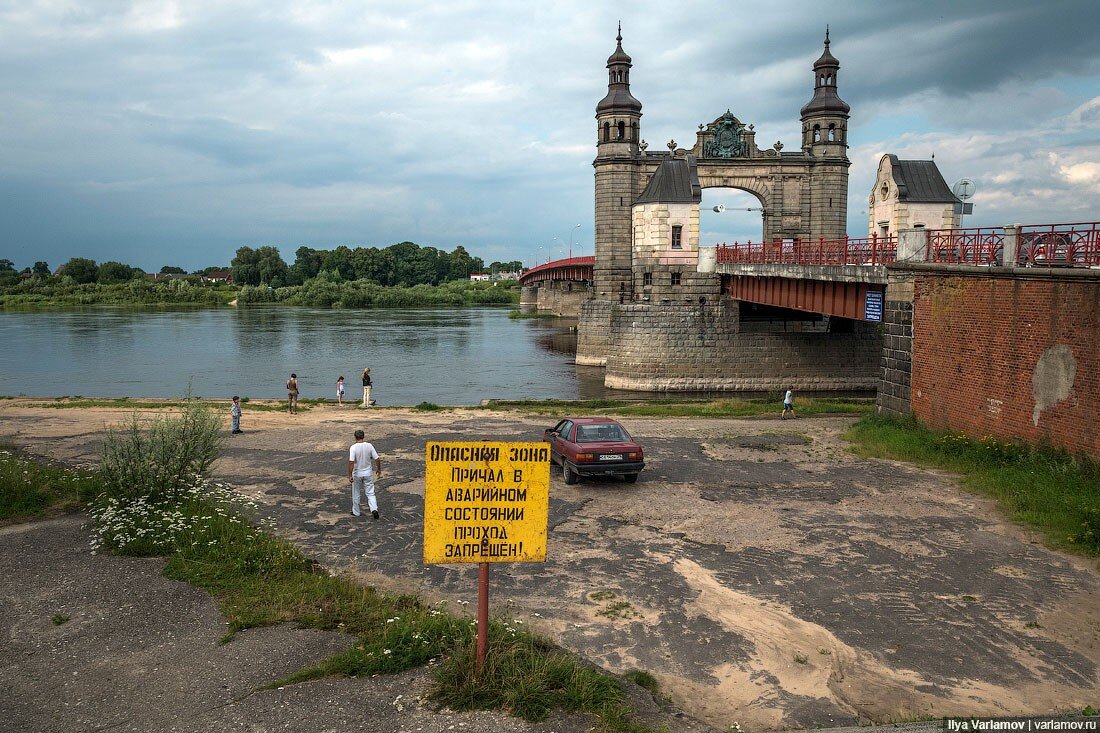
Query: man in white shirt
x=788 y=403
x=363 y=465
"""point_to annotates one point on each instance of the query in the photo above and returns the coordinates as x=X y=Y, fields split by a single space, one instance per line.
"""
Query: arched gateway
x=647 y=225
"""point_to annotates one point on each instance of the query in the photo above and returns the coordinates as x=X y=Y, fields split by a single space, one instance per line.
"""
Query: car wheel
x=631 y=478
x=568 y=473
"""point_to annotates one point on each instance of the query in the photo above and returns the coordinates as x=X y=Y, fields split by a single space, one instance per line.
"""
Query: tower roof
x=619 y=56
x=676 y=181
x=619 y=98
x=825 y=100
x=826 y=59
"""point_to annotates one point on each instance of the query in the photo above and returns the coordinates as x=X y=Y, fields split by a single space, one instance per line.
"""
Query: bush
x=160 y=458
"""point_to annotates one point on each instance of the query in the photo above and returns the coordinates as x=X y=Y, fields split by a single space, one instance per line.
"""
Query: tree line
x=405 y=264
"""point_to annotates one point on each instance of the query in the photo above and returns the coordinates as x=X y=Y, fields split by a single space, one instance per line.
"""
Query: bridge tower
x=617 y=178
x=825 y=140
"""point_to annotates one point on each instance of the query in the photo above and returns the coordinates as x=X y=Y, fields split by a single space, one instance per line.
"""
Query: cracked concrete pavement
x=761 y=572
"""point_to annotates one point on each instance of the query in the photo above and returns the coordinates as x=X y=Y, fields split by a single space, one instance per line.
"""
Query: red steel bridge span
x=847 y=277
x=573 y=269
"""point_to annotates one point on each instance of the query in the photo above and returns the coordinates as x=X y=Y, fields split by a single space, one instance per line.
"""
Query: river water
x=451 y=356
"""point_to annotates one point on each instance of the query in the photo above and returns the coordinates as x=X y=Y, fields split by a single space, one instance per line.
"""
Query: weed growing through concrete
x=800 y=658
x=58 y=618
x=619 y=610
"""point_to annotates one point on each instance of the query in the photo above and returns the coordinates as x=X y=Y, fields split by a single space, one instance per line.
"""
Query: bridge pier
x=706 y=347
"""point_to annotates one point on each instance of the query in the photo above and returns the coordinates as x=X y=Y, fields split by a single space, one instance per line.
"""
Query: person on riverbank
x=367 y=401
x=235 y=414
x=364 y=465
x=292 y=394
x=340 y=390
x=788 y=404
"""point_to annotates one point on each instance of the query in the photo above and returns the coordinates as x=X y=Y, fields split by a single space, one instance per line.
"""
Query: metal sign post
x=483 y=503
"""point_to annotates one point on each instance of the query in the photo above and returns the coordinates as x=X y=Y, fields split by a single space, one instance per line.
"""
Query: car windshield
x=601 y=434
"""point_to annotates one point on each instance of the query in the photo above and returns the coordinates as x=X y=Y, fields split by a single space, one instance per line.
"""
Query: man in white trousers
x=363 y=466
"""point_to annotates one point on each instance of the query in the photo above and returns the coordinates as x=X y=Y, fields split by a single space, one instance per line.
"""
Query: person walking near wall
x=340 y=390
x=366 y=388
x=788 y=403
x=364 y=465
x=292 y=394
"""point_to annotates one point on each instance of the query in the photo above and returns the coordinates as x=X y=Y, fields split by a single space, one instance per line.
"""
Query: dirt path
x=759 y=571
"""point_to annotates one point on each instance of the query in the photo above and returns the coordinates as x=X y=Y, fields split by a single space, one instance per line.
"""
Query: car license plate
x=612 y=457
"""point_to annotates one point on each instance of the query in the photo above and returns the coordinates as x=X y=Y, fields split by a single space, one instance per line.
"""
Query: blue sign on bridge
x=872 y=307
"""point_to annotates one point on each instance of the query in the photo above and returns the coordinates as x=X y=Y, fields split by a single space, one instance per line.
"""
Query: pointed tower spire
x=826 y=35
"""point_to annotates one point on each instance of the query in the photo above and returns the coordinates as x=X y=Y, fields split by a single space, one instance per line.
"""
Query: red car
x=594 y=446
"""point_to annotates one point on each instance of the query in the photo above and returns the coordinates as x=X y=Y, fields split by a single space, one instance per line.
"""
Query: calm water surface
x=446 y=356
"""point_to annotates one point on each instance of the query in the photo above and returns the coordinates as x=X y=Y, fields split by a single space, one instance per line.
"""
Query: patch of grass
x=969 y=599
x=61 y=403
x=1048 y=490
x=58 y=618
x=1033 y=625
x=643 y=679
x=602 y=595
x=619 y=609
x=800 y=658
x=33 y=488
x=428 y=407
x=529 y=677
x=1090 y=711
x=522 y=315
x=682 y=408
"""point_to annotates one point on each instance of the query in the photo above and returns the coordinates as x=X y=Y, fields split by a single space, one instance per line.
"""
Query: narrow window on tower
x=607 y=132
x=677 y=237
x=675 y=278
x=647 y=279
x=832 y=133
x=622 y=129
x=817 y=133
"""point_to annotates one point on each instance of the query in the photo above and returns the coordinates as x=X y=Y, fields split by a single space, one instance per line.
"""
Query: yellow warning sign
x=486 y=502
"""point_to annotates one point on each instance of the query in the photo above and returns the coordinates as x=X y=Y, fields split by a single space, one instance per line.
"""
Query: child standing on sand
x=340 y=390
x=235 y=413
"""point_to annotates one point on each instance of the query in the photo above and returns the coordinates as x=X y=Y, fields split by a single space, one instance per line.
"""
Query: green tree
x=340 y=261
x=307 y=262
x=172 y=270
x=114 y=272
x=7 y=266
x=259 y=266
x=81 y=270
x=41 y=269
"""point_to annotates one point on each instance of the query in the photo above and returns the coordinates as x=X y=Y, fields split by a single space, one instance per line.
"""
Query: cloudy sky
x=168 y=132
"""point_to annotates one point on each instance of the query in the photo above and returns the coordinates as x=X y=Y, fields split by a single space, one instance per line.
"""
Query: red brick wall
x=977 y=340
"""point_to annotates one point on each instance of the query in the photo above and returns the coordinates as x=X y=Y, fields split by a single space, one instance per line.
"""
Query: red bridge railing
x=1036 y=245
x=1059 y=245
x=965 y=246
x=873 y=250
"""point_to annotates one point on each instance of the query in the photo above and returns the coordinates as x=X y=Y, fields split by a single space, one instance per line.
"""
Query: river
x=454 y=356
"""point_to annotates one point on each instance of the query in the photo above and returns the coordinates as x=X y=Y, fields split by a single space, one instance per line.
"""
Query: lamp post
x=571 y=233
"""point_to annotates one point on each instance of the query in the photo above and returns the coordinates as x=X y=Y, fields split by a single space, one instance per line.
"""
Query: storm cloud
x=175 y=132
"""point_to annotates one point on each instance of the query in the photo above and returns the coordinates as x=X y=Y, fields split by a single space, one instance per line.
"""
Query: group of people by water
x=292 y=391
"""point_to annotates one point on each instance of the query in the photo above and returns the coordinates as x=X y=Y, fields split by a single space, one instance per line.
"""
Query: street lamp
x=571 y=232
